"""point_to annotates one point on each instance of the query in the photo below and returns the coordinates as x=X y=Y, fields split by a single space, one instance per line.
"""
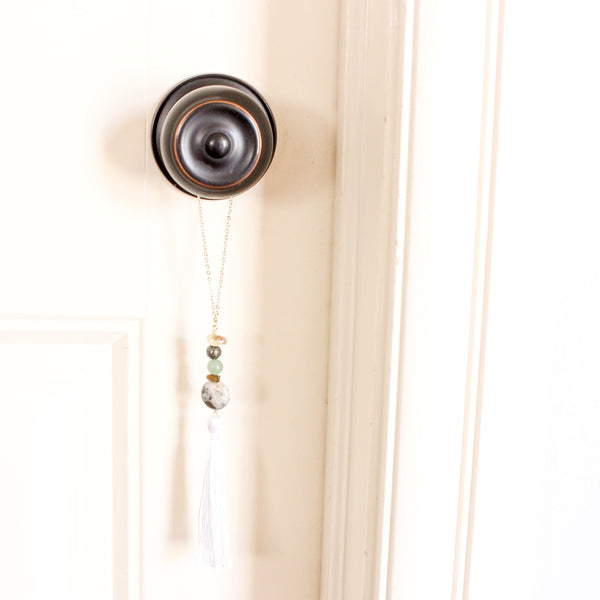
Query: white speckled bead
x=215 y=395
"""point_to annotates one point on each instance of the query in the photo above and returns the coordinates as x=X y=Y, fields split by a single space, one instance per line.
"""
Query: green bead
x=214 y=366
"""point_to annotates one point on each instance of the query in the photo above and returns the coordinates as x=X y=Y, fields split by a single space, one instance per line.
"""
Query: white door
x=105 y=309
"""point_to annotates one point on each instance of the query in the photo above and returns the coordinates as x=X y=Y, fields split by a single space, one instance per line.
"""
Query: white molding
x=490 y=112
x=418 y=96
x=123 y=336
x=374 y=109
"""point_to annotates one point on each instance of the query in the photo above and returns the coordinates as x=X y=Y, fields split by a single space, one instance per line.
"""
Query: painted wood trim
x=386 y=485
x=488 y=148
x=369 y=217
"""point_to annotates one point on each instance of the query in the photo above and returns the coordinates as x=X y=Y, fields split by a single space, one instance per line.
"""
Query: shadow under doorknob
x=213 y=136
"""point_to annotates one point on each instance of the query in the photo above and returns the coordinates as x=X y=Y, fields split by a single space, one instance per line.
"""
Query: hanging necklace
x=204 y=132
x=213 y=338
x=212 y=521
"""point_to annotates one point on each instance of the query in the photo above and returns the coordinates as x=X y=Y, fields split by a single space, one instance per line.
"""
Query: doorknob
x=213 y=136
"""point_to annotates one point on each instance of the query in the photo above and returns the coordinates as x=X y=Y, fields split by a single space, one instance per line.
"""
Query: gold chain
x=215 y=306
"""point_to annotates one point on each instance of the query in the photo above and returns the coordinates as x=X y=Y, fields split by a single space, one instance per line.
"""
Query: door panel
x=69 y=439
x=89 y=229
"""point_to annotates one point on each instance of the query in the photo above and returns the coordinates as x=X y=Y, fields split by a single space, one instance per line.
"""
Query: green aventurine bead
x=214 y=366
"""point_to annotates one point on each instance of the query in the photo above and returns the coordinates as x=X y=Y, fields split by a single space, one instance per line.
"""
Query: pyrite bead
x=215 y=395
x=214 y=366
x=213 y=352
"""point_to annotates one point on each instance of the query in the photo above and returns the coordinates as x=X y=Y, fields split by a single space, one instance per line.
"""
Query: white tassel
x=212 y=520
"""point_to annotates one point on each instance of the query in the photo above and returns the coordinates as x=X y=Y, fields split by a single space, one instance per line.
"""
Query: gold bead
x=212 y=377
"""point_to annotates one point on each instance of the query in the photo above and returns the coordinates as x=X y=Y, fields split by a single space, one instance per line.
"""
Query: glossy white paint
x=89 y=229
x=375 y=73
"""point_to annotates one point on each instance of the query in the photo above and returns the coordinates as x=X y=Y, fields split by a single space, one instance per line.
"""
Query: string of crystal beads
x=215 y=394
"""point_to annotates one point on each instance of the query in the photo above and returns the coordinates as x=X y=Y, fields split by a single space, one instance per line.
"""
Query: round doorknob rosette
x=213 y=136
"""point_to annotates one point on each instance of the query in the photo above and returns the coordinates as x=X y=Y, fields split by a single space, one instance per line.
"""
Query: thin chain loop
x=215 y=306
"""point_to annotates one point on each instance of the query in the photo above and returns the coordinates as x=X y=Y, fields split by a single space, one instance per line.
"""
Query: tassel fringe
x=212 y=519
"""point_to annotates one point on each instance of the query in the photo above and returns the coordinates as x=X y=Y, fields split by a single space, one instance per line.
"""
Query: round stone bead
x=214 y=366
x=215 y=395
x=213 y=352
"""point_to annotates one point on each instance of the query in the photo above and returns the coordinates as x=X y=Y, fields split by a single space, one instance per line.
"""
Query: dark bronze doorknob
x=213 y=136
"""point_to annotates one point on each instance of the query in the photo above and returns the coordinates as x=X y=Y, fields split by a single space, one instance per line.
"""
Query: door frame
x=393 y=514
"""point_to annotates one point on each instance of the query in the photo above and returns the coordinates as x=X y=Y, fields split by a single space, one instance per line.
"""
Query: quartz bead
x=214 y=366
x=213 y=352
x=215 y=395
x=216 y=340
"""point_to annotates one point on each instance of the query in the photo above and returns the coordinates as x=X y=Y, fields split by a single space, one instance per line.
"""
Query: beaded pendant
x=215 y=394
